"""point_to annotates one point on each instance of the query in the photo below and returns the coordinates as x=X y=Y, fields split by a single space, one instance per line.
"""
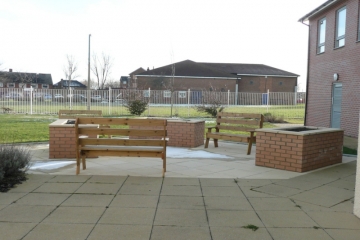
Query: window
x=340 y=27
x=11 y=85
x=22 y=85
x=167 y=94
x=1 y=84
x=182 y=94
x=321 y=37
x=34 y=85
x=45 y=86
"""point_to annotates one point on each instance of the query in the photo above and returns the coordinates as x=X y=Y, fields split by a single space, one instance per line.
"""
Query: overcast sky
x=36 y=35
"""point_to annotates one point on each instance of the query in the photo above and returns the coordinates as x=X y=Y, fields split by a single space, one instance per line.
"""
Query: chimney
x=10 y=70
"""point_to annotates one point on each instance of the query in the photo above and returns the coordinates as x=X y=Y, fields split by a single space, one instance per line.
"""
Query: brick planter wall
x=298 y=151
x=62 y=139
x=182 y=133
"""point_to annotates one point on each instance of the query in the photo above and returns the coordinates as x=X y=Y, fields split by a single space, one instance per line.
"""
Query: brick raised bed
x=184 y=133
x=298 y=151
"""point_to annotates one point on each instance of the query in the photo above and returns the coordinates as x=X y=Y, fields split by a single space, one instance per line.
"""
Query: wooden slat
x=123 y=121
x=121 y=142
x=114 y=153
x=236 y=128
x=229 y=137
x=244 y=115
x=122 y=132
x=239 y=121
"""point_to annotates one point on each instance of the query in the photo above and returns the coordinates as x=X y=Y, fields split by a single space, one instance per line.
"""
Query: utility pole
x=88 y=87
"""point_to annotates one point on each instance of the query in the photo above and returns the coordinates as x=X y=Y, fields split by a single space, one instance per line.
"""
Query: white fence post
x=149 y=103
x=267 y=100
x=228 y=97
x=109 y=100
x=188 y=102
x=31 y=99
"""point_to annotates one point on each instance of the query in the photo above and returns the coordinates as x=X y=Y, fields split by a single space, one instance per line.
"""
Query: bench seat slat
x=121 y=132
x=121 y=142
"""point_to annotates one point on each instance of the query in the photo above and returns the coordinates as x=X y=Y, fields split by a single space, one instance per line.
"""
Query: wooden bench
x=73 y=114
x=124 y=141
x=242 y=125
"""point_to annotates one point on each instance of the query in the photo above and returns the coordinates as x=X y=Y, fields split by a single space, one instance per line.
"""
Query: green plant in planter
x=14 y=162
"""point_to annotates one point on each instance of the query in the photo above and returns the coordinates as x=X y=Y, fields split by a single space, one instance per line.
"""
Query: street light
x=88 y=87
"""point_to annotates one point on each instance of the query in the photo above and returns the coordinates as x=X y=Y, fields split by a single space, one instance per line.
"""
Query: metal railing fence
x=183 y=103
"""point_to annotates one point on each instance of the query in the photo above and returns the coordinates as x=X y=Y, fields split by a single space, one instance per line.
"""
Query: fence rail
x=183 y=103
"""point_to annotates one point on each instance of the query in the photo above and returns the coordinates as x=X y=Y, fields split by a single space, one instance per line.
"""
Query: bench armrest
x=210 y=128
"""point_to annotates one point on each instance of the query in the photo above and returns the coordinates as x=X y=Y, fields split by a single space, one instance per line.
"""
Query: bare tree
x=101 y=68
x=71 y=67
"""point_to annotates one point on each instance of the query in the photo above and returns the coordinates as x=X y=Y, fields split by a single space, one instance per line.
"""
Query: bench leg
x=216 y=142
x=164 y=165
x=84 y=161
x=77 y=165
x=250 y=141
x=207 y=142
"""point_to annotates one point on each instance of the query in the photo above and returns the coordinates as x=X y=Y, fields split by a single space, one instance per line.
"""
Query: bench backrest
x=73 y=114
x=241 y=122
x=121 y=132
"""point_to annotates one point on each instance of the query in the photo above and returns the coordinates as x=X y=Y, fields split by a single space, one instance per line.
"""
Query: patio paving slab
x=11 y=230
x=135 y=201
x=145 y=189
x=180 y=217
x=274 y=204
x=75 y=215
x=286 y=219
x=132 y=216
x=88 y=200
x=43 y=199
x=232 y=218
x=110 y=231
x=236 y=233
x=54 y=231
x=177 y=190
x=298 y=233
x=342 y=220
x=180 y=233
x=181 y=202
x=341 y=234
x=58 y=187
x=222 y=191
x=25 y=214
x=10 y=197
x=227 y=203
x=98 y=188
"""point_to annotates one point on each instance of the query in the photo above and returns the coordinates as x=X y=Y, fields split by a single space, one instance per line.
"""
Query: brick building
x=10 y=80
x=333 y=89
x=255 y=78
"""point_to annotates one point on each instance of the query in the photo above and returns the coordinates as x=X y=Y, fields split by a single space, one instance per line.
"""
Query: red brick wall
x=298 y=153
x=261 y=84
x=344 y=61
x=62 y=142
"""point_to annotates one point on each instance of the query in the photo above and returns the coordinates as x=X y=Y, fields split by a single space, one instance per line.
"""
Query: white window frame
x=167 y=94
x=34 y=85
x=1 y=84
x=46 y=86
x=339 y=39
x=22 y=85
x=182 y=94
x=11 y=85
x=321 y=32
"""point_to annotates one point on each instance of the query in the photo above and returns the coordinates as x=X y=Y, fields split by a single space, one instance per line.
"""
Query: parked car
x=96 y=98
x=77 y=98
x=58 y=97
x=14 y=96
x=47 y=97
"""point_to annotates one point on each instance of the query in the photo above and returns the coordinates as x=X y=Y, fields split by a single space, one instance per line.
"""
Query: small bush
x=14 y=161
x=268 y=117
x=136 y=107
x=210 y=109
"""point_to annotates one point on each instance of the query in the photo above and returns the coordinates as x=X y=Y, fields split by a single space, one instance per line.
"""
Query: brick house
x=10 y=80
x=196 y=76
x=64 y=84
x=333 y=89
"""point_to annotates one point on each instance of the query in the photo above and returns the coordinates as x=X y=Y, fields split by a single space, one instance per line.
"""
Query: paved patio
x=199 y=198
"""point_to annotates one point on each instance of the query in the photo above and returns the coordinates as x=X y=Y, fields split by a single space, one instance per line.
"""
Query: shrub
x=268 y=117
x=14 y=161
x=136 y=107
x=210 y=109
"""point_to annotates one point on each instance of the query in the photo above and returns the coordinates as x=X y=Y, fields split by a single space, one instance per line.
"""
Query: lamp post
x=88 y=87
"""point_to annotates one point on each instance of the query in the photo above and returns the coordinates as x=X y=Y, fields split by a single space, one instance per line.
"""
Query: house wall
x=255 y=84
x=261 y=84
x=344 y=61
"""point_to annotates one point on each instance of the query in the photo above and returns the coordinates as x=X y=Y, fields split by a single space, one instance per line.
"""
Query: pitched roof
x=317 y=10
x=73 y=83
x=23 y=77
x=190 y=68
x=139 y=70
x=250 y=69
